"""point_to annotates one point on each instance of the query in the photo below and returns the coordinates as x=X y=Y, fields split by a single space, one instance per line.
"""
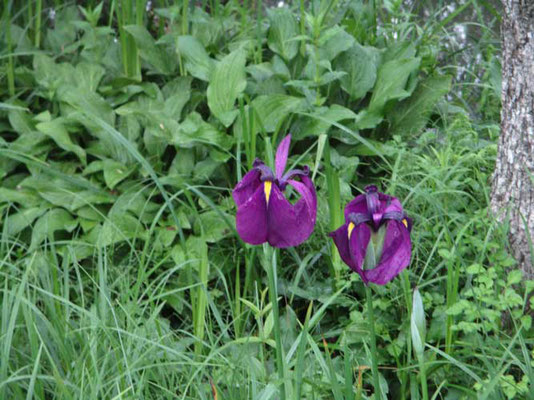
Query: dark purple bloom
x=376 y=217
x=263 y=212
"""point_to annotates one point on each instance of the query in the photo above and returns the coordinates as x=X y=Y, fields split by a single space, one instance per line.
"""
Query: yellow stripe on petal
x=267 y=186
x=350 y=228
x=405 y=222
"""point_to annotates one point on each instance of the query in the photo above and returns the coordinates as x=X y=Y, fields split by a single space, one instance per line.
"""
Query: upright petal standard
x=263 y=212
x=379 y=218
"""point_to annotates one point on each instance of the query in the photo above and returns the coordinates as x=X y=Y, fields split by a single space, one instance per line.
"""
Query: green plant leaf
x=282 y=32
x=360 y=63
x=226 y=84
x=194 y=130
x=149 y=51
x=273 y=109
x=210 y=226
x=391 y=82
x=196 y=60
x=56 y=130
x=17 y=222
x=54 y=220
x=411 y=115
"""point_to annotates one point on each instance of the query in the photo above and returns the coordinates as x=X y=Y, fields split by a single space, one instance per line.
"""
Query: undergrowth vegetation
x=124 y=127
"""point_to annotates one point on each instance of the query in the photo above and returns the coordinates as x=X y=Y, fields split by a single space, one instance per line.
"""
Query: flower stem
x=424 y=387
x=270 y=265
x=374 y=354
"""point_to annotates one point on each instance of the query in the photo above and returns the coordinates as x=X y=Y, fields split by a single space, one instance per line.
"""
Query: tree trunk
x=513 y=180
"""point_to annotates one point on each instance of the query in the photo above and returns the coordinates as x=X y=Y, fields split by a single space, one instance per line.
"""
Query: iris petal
x=341 y=240
x=291 y=224
x=282 y=152
x=396 y=254
x=251 y=218
x=246 y=187
x=358 y=242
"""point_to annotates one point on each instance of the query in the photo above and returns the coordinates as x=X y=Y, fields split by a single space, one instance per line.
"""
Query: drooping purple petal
x=246 y=187
x=282 y=152
x=307 y=192
x=352 y=249
x=252 y=217
x=341 y=240
x=396 y=254
x=290 y=225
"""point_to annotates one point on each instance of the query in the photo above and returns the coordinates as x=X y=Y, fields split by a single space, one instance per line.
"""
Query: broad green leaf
x=149 y=51
x=194 y=130
x=65 y=194
x=22 y=196
x=334 y=41
x=226 y=84
x=360 y=64
x=21 y=121
x=118 y=228
x=411 y=115
x=89 y=75
x=54 y=220
x=321 y=120
x=177 y=93
x=273 y=109
x=211 y=227
x=17 y=222
x=196 y=60
x=391 y=82
x=56 y=130
x=282 y=32
x=114 y=172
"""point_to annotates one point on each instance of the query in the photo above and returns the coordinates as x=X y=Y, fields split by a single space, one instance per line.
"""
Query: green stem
x=10 y=67
x=424 y=387
x=185 y=22
x=374 y=354
x=270 y=265
x=38 y=11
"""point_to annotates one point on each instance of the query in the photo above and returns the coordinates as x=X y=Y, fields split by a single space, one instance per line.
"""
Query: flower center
x=350 y=228
x=267 y=187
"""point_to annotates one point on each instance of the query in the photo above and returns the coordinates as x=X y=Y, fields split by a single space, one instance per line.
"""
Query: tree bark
x=513 y=181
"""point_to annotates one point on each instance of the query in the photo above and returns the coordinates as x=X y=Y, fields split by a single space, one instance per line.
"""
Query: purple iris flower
x=263 y=212
x=379 y=218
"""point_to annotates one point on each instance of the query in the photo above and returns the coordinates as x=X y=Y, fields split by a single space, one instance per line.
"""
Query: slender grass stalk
x=38 y=12
x=422 y=374
x=336 y=214
x=453 y=279
x=10 y=66
x=374 y=353
x=348 y=369
x=130 y=56
x=185 y=22
x=237 y=307
x=405 y=280
x=299 y=367
x=112 y=6
x=270 y=265
x=139 y=8
x=336 y=389
x=302 y=27
x=252 y=136
x=199 y=312
x=259 y=22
